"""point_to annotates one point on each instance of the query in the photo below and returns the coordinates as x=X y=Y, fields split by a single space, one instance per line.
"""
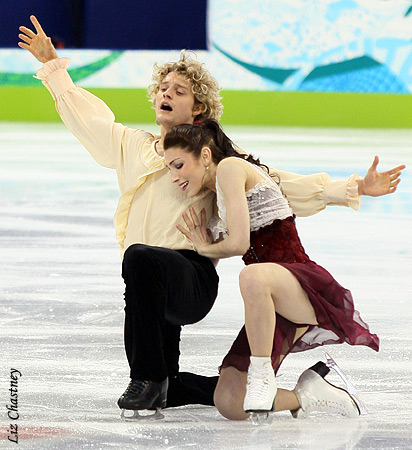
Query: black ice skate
x=315 y=394
x=143 y=395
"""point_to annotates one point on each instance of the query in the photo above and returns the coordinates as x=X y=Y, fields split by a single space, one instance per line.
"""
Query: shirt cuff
x=343 y=192
x=55 y=77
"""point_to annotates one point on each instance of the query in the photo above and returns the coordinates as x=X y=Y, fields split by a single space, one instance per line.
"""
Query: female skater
x=291 y=303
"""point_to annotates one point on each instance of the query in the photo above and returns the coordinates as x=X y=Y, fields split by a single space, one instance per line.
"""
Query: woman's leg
x=269 y=288
x=230 y=392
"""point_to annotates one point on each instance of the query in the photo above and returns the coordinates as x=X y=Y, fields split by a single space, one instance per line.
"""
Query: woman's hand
x=38 y=44
x=196 y=230
x=377 y=183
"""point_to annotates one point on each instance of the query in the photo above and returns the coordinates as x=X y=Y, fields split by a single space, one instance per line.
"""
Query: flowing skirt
x=338 y=321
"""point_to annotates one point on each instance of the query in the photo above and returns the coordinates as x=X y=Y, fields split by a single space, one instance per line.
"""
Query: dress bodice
x=265 y=201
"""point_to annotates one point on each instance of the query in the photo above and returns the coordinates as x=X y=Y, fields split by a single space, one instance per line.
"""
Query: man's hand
x=38 y=44
x=377 y=183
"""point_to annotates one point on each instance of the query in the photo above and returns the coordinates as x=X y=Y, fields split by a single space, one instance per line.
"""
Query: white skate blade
x=349 y=386
x=136 y=415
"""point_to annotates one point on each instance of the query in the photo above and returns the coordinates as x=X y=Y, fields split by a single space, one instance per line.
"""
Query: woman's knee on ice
x=229 y=405
x=229 y=394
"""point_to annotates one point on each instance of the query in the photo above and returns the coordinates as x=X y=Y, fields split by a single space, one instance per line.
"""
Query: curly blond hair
x=204 y=86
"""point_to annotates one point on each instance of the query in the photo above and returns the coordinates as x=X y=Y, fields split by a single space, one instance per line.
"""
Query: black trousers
x=166 y=289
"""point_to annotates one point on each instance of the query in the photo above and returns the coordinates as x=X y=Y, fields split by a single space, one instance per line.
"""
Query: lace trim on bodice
x=265 y=201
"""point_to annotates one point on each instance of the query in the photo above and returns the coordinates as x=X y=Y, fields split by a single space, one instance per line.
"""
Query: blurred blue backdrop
x=107 y=24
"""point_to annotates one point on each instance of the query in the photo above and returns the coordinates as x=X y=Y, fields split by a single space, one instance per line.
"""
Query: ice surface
x=61 y=299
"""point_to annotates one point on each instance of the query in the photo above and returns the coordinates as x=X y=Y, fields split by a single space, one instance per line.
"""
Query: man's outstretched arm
x=310 y=194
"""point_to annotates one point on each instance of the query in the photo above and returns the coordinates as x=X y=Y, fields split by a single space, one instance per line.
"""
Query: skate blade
x=349 y=386
x=258 y=418
x=136 y=416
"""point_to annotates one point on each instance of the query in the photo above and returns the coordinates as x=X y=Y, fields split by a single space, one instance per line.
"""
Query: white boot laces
x=258 y=382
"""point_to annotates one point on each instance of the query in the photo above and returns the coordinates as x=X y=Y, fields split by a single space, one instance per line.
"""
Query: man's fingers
x=397 y=169
x=395 y=176
x=27 y=31
x=25 y=38
x=374 y=163
x=393 y=186
x=23 y=45
x=37 y=25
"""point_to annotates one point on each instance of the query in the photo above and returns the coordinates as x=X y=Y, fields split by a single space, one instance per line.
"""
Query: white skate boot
x=315 y=394
x=260 y=389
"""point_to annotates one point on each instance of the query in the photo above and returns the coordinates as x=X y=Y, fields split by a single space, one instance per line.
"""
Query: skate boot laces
x=258 y=383
x=136 y=387
x=260 y=389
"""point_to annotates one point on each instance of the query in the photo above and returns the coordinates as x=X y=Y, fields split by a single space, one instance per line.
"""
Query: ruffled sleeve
x=86 y=116
x=54 y=76
x=309 y=194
